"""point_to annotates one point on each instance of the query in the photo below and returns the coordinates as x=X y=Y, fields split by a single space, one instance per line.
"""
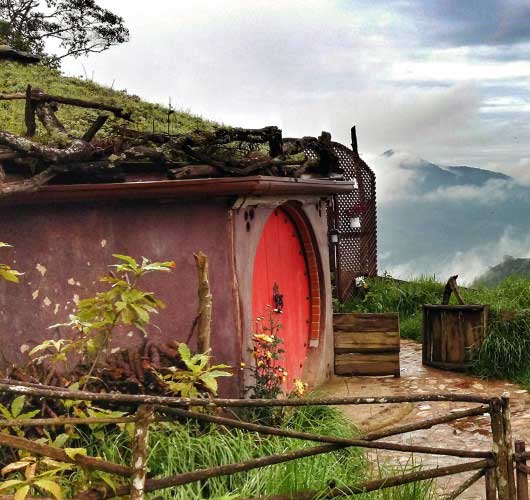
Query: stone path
x=474 y=433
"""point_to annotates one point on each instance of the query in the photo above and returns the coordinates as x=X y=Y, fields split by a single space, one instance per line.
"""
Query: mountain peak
x=428 y=176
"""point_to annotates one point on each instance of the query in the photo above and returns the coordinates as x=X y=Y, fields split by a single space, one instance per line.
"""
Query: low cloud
x=469 y=263
x=400 y=173
x=491 y=192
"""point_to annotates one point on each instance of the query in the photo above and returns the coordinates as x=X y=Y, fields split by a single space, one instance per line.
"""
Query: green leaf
x=61 y=440
x=28 y=415
x=11 y=483
x=73 y=452
x=51 y=487
x=185 y=353
x=125 y=258
x=10 y=275
x=17 y=405
x=219 y=373
x=210 y=382
x=143 y=315
x=22 y=493
x=13 y=467
x=107 y=478
x=5 y=412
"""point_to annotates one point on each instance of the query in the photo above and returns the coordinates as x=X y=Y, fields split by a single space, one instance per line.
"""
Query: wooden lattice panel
x=352 y=218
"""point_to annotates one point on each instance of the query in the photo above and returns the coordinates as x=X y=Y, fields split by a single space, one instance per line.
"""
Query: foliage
x=16 y=411
x=267 y=372
x=505 y=352
x=76 y=27
x=95 y=320
x=15 y=77
x=38 y=475
x=178 y=448
x=6 y=272
x=197 y=379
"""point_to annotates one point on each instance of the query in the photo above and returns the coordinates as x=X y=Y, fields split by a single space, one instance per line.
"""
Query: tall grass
x=14 y=77
x=177 y=448
x=506 y=350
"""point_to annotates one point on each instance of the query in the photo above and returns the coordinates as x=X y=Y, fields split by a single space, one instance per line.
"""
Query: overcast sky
x=446 y=79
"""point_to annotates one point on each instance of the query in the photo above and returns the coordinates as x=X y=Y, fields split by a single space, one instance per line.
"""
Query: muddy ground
x=473 y=433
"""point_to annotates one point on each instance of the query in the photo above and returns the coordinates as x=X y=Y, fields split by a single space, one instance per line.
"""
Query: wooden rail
x=504 y=469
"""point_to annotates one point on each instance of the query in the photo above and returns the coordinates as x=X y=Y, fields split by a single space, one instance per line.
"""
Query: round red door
x=280 y=260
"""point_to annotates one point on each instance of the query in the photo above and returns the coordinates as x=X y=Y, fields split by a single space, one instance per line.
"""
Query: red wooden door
x=280 y=259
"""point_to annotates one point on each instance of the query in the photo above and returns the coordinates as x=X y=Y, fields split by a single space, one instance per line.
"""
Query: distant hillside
x=431 y=176
x=509 y=267
x=15 y=77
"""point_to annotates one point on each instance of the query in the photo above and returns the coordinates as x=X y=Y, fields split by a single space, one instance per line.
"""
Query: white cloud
x=491 y=192
x=469 y=264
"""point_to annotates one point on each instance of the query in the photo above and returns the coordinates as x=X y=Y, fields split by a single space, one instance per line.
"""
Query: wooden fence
x=498 y=466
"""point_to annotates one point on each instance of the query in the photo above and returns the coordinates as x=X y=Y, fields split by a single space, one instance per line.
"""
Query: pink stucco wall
x=63 y=250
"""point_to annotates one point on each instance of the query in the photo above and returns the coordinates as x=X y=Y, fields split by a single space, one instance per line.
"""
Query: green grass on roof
x=15 y=77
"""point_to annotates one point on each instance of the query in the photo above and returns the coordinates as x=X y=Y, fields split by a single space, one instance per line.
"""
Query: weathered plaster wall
x=64 y=249
x=247 y=231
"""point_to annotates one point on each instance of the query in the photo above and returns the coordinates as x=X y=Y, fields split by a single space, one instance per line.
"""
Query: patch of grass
x=178 y=448
x=15 y=77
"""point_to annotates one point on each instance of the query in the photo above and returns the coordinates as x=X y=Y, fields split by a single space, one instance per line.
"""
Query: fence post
x=522 y=478
x=507 y=423
x=144 y=416
x=499 y=449
x=491 y=489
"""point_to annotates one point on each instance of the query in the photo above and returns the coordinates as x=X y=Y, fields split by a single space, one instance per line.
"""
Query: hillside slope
x=15 y=77
x=509 y=267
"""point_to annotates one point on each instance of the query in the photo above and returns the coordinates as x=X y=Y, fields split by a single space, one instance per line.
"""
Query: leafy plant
x=38 y=475
x=6 y=272
x=267 y=373
x=16 y=411
x=95 y=320
x=197 y=378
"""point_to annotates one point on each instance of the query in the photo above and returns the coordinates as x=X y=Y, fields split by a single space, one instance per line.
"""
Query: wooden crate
x=452 y=334
x=366 y=344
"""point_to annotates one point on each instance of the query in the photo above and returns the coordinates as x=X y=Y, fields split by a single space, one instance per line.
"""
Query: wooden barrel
x=452 y=334
x=366 y=344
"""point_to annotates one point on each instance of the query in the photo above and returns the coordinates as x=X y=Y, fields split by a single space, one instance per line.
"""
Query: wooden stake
x=144 y=416
x=499 y=448
x=491 y=488
x=29 y=114
x=95 y=127
x=508 y=441
x=205 y=303
x=522 y=478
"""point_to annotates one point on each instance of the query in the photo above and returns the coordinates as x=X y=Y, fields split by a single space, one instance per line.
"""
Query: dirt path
x=417 y=379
